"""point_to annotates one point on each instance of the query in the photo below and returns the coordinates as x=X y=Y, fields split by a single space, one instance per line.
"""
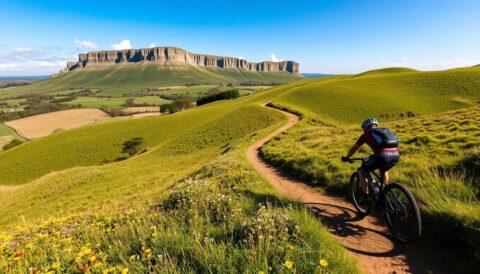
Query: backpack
x=384 y=138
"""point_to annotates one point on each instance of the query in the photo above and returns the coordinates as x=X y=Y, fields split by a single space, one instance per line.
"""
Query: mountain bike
x=401 y=209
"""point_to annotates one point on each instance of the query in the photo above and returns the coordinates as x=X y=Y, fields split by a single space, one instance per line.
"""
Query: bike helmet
x=369 y=122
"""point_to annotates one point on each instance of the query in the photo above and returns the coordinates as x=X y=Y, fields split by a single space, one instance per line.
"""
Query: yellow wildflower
x=93 y=259
x=133 y=257
x=323 y=263
x=125 y=271
x=261 y=272
x=56 y=266
x=288 y=264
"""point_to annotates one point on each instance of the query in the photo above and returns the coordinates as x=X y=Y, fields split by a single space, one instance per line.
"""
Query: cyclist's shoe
x=345 y=159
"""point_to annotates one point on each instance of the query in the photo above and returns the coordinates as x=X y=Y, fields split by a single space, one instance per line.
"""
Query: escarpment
x=177 y=55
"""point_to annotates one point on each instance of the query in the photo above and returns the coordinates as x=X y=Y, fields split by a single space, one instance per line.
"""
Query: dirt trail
x=367 y=239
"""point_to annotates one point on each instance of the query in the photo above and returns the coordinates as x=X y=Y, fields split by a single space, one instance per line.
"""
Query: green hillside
x=440 y=144
x=117 y=79
x=348 y=99
x=384 y=71
x=175 y=196
x=207 y=199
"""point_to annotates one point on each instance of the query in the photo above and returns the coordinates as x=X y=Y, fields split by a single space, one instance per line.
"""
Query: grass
x=348 y=99
x=221 y=219
x=211 y=206
x=124 y=78
x=152 y=100
x=190 y=204
x=94 y=102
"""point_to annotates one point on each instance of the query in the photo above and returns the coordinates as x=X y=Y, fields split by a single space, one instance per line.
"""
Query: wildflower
x=288 y=264
x=289 y=247
x=56 y=266
x=133 y=257
x=125 y=271
x=323 y=263
x=93 y=259
x=17 y=256
x=261 y=272
x=97 y=264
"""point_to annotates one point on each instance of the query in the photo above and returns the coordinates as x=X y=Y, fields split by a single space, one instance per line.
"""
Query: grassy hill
x=191 y=193
x=175 y=196
x=348 y=99
x=117 y=79
x=439 y=145
x=384 y=71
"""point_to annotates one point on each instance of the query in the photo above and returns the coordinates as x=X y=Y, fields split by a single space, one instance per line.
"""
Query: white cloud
x=124 y=44
x=241 y=58
x=33 y=61
x=23 y=51
x=274 y=58
x=85 y=44
x=152 y=45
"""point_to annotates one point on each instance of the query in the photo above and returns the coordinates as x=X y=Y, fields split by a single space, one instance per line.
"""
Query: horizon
x=327 y=37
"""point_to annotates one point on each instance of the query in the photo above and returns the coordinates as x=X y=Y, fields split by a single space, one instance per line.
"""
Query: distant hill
x=16 y=78
x=314 y=75
x=384 y=71
x=385 y=93
x=119 y=72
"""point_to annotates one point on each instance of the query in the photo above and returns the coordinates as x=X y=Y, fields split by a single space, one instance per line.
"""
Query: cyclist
x=384 y=144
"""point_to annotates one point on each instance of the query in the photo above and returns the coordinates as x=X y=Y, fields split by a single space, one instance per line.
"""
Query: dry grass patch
x=48 y=123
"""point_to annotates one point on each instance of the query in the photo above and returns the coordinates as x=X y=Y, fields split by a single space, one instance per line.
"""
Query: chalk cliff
x=176 y=55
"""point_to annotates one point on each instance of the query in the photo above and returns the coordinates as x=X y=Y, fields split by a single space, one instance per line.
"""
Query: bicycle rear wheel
x=361 y=201
x=403 y=215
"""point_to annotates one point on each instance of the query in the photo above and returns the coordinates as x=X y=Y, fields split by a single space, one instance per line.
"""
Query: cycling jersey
x=367 y=138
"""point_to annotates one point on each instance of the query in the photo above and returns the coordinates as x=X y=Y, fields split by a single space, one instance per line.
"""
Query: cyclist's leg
x=369 y=165
x=385 y=176
x=363 y=180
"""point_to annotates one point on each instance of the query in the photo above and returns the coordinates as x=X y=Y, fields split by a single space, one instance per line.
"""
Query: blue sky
x=326 y=36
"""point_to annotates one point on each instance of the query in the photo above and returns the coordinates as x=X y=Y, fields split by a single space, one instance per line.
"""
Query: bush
x=12 y=144
x=225 y=95
x=133 y=146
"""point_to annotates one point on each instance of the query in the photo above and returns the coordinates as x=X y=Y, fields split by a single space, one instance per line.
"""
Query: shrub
x=224 y=95
x=133 y=146
x=12 y=144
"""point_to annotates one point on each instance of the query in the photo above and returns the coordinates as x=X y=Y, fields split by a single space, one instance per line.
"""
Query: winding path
x=367 y=239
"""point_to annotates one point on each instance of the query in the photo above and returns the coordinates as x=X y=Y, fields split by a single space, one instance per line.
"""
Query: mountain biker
x=384 y=144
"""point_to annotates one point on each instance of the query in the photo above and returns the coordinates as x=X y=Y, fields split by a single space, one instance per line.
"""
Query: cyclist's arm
x=356 y=146
x=352 y=150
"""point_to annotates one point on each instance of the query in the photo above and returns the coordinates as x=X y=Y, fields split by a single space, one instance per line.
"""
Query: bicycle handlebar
x=352 y=160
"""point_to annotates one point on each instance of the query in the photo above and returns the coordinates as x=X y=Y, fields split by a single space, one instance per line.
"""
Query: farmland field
x=45 y=124
x=151 y=100
x=140 y=109
x=93 y=102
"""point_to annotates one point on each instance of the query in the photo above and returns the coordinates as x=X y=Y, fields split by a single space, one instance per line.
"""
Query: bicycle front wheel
x=402 y=212
x=361 y=201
